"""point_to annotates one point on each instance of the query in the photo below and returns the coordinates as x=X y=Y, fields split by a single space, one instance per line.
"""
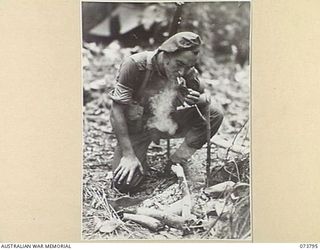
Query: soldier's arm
x=129 y=162
x=122 y=97
x=120 y=128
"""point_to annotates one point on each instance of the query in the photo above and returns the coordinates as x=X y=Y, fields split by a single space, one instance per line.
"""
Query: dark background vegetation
x=224 y=26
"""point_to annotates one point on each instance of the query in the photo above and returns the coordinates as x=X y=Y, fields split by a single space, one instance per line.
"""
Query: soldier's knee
x=216 y=116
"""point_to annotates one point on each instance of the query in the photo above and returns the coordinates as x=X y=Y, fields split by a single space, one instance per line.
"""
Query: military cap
x=181 y=41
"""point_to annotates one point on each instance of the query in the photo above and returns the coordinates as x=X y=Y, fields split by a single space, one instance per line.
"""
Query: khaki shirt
x=132 y=74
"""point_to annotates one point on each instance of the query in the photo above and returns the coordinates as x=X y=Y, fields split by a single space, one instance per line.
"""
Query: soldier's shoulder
x=141 y=59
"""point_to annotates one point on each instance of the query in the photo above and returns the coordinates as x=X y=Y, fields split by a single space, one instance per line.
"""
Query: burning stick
x=146 y=221
x=166 y=218
x=186 y=200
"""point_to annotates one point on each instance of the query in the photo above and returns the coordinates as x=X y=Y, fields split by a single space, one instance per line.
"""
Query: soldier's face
x=178 y=64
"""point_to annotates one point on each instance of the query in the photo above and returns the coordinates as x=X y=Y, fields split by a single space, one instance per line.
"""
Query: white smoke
x=162 y=105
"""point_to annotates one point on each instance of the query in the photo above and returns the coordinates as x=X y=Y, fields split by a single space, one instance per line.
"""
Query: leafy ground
x=225 y=215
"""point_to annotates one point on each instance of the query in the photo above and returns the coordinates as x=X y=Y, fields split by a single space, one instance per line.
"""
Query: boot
x=182 y=155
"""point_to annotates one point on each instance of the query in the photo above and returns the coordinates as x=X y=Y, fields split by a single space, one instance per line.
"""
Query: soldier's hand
x=193 y=97
x=127 y=167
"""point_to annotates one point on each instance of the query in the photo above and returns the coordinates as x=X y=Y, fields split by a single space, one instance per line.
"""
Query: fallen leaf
x=217 y=189
x=108 y=226
x=206 y=224
x=97 y=223
x=221 y=207
x=209 y=206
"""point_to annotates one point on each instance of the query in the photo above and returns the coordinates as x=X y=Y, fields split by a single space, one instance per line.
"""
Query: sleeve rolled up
x=121 y=94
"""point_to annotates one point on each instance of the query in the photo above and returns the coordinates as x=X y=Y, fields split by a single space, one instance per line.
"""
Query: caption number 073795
x=312 y=246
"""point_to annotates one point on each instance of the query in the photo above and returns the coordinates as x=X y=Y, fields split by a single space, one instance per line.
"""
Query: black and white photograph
x=166 y=120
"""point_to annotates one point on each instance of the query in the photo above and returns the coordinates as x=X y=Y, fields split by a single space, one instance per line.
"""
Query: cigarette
x=179 y=80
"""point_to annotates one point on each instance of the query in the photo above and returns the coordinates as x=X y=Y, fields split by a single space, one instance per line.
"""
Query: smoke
x=162 y=105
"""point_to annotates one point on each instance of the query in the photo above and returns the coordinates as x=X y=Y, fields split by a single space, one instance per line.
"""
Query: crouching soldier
x=143 y=76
